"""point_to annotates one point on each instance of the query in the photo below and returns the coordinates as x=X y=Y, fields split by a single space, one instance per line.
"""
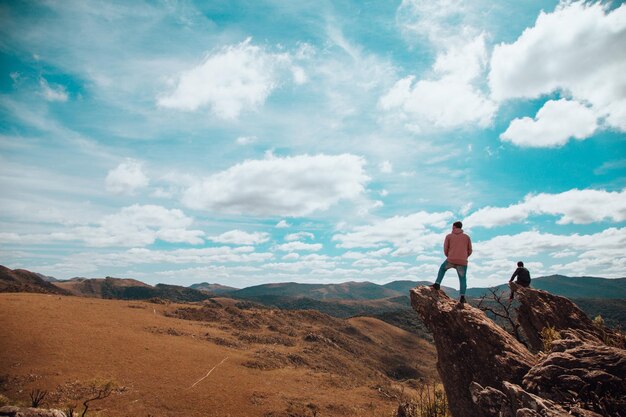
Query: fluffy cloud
x=576 y=50
x=574 y=206
x=136 y=225
x=126 y=178
x=290 y=186
x=452 y=97
x=409 y=234
x=282 y=224
x=299 y=246
x=239 y=237
x=52 y=93
x=230 y=80
x=528 y=244
x=555 y=123
x=300 y=235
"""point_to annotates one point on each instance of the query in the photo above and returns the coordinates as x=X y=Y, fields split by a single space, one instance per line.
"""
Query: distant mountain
x=344 y=291
x=21 y=280
x=46 y=277
x=571 y=287
x=213 y=288
x=582 y=287
x=129 y=289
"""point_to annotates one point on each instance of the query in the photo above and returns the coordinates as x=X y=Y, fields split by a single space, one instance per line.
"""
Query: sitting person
x=523 y=277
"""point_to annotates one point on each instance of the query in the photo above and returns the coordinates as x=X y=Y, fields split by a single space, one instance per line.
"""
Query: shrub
x=548 y=335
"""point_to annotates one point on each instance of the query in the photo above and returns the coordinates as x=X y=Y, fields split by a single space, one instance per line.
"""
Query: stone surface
x=488 y=373
x=539 y=309
x=9 y=411
x=470 y=347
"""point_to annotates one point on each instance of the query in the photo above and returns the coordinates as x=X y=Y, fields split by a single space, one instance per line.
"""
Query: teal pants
x=461 y=271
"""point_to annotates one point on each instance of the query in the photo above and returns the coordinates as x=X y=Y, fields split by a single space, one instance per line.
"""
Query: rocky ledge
x=487 y=372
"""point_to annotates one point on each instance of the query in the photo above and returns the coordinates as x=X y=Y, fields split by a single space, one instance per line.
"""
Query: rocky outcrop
x=470 y=348
x=487 y=372
x=540 y=309
x=9 y=411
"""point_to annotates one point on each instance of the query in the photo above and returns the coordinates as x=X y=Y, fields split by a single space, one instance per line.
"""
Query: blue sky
x=266 y=141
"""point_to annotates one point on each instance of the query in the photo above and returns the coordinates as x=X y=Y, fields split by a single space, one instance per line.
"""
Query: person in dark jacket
x=523 y=277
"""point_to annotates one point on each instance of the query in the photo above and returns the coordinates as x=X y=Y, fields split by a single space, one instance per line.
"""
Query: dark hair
x=458 y=224
x=520 y=264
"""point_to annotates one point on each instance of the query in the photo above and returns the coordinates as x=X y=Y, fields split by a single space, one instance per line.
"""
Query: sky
x=248 y=142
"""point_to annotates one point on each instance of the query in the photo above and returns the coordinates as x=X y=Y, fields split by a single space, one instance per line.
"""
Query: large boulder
x=488 y=373
x=470 y=348
x=540 y=309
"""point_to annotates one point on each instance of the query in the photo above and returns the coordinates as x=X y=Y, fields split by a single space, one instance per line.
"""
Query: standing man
x=457 y=247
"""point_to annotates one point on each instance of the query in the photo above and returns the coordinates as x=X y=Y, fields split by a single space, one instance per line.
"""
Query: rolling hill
x=128 y=289
x=213 y=288
x=344 y=291
x=209 y=359
x=21 y=280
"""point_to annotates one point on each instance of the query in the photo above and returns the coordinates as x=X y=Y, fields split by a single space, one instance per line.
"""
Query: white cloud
x=282 y=224
x=299 y=235
x=126 y=178
x=528 y=244
x=574 y=206
x=555 y=123
x=291 y=256
x=246 y=140
x=385 y=167
x=451 y=98
x=290 y=186
x=136 y=225
x=230 y=80
x=52 y=93
x=299 y=246
x=576 y=50
x=409 y=234
x=239 y=237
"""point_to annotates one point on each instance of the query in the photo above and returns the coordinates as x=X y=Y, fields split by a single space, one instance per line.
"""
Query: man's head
x=520 y=264
x=458 y=225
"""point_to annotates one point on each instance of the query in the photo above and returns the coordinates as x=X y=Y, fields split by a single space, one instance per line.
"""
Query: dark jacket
x=522 y=274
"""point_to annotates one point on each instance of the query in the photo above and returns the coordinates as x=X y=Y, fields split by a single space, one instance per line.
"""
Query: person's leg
x=442 y=271
x=461 y=271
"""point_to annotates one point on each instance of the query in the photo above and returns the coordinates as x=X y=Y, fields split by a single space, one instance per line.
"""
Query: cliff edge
x=487 y=372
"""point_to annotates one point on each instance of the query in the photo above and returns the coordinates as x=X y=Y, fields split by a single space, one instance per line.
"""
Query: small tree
x=99 y=392
x=502 y=308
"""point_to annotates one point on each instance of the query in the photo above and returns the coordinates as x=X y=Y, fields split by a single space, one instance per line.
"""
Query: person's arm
x=514 y=275
x=469 y=246
x=446 y=245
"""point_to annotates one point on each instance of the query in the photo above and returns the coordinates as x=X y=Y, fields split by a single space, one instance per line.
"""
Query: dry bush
x=429 y=400
x=36 y=397
x=548 y=335
x=265 y=339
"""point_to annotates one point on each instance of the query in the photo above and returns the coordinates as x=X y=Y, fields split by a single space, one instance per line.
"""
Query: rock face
x=487 y=372
x=539 y=309
x=9 y=411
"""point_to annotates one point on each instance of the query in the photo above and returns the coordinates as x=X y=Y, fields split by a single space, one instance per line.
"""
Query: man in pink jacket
x=457 y=247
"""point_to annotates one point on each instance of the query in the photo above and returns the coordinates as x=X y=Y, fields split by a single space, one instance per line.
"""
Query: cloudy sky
x=245 y=142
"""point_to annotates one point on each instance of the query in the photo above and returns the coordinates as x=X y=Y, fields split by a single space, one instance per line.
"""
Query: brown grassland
x=263 y=362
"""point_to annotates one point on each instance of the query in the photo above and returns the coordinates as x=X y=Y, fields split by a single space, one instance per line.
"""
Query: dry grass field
x=262 y=362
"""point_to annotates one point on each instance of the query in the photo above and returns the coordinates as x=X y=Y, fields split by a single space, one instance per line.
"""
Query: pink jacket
x=457 y=247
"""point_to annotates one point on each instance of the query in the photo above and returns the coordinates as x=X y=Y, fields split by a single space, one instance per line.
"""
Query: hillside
x=344 y=291
x=128 y=289
x=21 y=280
x=263 y=362
x=213 y=288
